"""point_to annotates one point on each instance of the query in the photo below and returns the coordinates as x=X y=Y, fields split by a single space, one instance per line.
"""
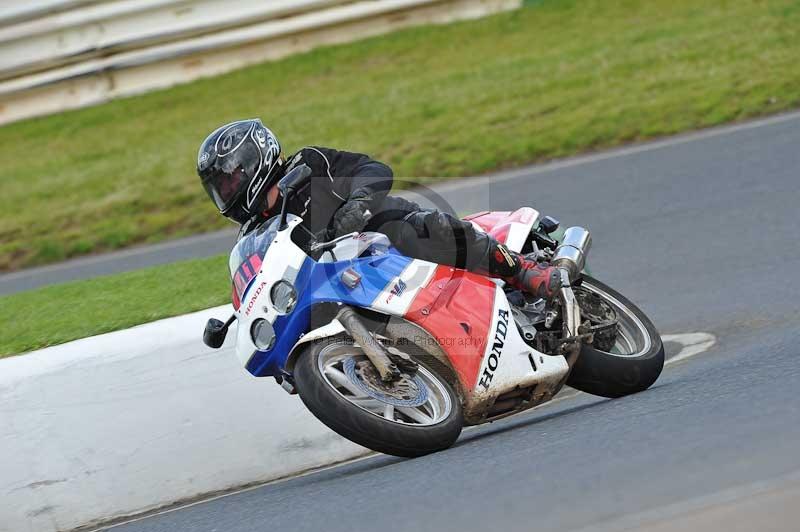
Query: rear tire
x=616 y=375
x=366 y=428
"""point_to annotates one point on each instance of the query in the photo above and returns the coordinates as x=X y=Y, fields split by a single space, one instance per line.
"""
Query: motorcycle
x=399 y=354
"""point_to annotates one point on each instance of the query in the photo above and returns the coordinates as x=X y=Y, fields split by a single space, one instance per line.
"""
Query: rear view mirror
x=216 y=331
x=295 y=180
x=299 y=177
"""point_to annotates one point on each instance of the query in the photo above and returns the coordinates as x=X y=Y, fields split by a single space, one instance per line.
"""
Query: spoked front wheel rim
x=419 y=401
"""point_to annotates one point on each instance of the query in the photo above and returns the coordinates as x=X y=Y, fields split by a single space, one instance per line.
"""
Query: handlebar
x=325 y=246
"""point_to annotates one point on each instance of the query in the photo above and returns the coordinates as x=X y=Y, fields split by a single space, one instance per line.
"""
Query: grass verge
x=58 y=314
x=551 y=79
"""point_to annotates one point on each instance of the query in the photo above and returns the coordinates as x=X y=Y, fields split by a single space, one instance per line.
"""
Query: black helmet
x=238 y=164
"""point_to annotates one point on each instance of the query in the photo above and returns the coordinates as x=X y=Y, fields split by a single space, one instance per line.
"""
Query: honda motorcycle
x=399 y=354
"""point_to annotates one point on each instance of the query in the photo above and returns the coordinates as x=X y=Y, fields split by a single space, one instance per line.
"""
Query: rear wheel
x=627 y=362
x=413 y=416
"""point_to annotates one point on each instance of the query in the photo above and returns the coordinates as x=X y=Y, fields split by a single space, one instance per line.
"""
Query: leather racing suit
x=350 y=192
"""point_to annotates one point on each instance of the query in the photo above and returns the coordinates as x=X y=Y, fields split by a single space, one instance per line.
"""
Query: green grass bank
x=57 y=314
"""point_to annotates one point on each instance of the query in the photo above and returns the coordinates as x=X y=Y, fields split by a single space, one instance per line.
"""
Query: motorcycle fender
x=326 y=331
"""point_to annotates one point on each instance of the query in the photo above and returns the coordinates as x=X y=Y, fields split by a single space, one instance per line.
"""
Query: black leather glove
x=351 y=217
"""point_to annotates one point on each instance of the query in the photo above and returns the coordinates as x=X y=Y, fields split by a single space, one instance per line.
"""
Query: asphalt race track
x=702 y=232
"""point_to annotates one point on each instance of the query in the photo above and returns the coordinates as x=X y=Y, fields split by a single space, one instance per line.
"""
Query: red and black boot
x=537 y=279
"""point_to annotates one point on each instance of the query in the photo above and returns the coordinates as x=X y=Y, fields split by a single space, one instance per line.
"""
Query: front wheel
x=633 y=358
x=413 y=416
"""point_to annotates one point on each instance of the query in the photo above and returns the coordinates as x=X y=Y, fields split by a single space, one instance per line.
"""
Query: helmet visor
x=224 y=187
x=228 y=179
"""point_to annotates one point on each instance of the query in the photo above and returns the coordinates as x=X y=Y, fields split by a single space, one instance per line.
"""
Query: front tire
x=330 y=387
x=636 y=360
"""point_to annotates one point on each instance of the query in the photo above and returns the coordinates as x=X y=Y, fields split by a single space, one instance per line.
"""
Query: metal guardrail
x=62 y=54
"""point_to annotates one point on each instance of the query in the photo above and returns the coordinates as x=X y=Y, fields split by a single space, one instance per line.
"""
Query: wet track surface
x=703 y=235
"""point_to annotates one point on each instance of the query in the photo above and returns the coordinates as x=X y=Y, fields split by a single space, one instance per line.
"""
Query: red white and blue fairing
x=466 y=314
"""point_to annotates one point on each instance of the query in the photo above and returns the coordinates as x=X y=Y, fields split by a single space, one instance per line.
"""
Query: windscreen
x=249 y=252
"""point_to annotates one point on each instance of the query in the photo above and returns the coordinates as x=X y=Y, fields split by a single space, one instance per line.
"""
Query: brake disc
x=406 y=391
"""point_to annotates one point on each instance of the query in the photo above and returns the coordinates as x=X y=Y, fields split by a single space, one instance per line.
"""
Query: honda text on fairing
x=398 y=354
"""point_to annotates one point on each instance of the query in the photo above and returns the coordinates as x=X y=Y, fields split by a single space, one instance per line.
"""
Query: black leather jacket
x=337 y=177
x=340 y=176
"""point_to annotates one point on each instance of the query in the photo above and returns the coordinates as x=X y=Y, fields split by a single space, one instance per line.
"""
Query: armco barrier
x=81 y=53
x=136 y=419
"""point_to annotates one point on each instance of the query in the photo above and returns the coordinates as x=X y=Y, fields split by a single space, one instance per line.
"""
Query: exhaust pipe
x=570 y=259
x=571 y=254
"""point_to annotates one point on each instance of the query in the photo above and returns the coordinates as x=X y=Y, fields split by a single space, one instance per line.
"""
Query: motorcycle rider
x=241 y=163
